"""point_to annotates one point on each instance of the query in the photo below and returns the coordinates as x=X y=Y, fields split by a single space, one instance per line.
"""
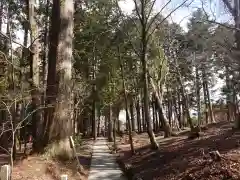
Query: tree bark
x=229 y=95
x=234 y=10
x=183 y=92
x=206 y=102
x=169 y=106
x=207 y=96
x=115 y=114
x=144 y=127
x=99 y=121
x=180 y=115
x=185 y=103
x=51 y=91
x=110 y=125
x=45 y=61
x=162 y=116
x=138 y=111
x=60 y=76
x=94 y=120
x=210 y=104
x=156 y=117
x=35 y=77
x=150 y=132
x=1 y=22
x=198 y=96
x=132 y=114
x=126 y=103
x=177 y=111
x=153 y=113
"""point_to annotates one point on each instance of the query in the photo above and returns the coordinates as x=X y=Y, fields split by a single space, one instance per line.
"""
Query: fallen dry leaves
x=37 y=167
x=181 y=159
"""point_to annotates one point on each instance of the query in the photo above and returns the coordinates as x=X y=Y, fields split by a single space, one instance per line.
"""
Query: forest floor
x=179 y=158
x=36 y=167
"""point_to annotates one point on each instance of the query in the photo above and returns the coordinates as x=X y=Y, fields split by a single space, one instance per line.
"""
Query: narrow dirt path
x=103 y=165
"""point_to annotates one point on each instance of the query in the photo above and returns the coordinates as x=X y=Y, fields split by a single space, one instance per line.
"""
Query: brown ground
x=181 y=159
x=41 y=168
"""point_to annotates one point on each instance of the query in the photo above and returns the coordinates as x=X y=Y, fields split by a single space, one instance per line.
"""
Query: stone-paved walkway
x=103 y=165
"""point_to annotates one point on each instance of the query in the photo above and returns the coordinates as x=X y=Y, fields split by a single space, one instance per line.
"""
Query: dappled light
x=119 y=89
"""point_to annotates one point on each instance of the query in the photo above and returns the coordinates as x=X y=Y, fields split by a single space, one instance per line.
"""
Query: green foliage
x=158 y=64
x=199 y=31
x=78 y=139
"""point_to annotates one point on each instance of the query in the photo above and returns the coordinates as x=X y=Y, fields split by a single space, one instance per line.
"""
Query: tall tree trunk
x=156 y=117
x=34 y=71
x=99 y=120
x=237 y=40
x=6 y=42
x=210 y=105
x=207 y=94
x=51 y=91
x=60 y=76
x=138 y=111
x=169 y=107
x=198 y=96
x=114 y=133
x=229 y=97
x=143 y=58
x=45 y=62
x=131 y=107
x=94 y=120
x=106 y=123
x=177 y=110
x=110 y=124
x=180 y=117
x=162 y=116
x=235 y=12
x=183 y=92
x=1 y=23
x=23 y=60
x=205 y=102
x=126 y=103
x=94 y=92
x=153 y=113
x=150 y=132
x=144 y=127
x=127 y=129
x=75 y=111
x=185 y=103
x=14 y=135
x=115 y=115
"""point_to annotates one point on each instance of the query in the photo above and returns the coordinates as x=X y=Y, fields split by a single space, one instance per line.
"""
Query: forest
x=163 y=96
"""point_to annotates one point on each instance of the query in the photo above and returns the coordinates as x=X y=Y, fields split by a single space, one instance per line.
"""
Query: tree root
x=60 y=150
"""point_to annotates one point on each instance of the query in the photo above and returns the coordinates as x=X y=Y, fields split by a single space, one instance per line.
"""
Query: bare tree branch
x=157 y=26
x=150 y=10
x=138 y=13
x=221 y=24
x=155 y=17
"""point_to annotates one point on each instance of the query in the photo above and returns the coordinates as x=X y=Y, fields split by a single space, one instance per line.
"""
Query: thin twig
x=157 y=26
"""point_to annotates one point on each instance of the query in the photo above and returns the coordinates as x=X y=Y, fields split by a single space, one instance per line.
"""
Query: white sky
x=178 y=16
x=214 y=7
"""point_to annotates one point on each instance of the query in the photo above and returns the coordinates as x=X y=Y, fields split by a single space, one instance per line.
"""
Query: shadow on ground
x=179 y=157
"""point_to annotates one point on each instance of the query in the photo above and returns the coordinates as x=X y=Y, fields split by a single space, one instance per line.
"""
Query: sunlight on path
x=103 y=165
